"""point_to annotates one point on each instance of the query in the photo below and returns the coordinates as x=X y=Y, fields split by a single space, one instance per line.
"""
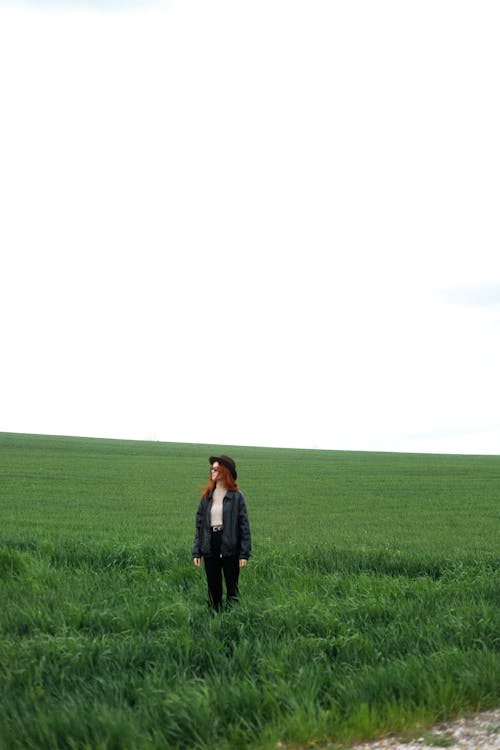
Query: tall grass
x=107 y=642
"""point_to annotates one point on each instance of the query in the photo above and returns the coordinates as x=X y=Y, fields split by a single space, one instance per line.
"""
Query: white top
x=216 y=513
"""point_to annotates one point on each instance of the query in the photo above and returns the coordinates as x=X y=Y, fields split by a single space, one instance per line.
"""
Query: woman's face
x=214 y=471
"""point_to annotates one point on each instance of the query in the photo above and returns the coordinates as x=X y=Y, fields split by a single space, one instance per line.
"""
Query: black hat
x=227 y=462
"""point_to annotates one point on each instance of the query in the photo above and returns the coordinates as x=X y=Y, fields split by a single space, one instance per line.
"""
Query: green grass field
x=370 y=604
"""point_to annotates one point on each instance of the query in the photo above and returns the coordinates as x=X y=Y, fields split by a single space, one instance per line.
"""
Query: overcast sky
x=252 y=223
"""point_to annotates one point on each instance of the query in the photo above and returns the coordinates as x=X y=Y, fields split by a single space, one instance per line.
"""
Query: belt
x=217 y=528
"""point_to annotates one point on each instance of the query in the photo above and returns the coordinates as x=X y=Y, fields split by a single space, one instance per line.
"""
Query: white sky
x=252 y=223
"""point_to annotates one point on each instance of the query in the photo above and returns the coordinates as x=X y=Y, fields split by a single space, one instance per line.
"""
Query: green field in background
x=370 y=602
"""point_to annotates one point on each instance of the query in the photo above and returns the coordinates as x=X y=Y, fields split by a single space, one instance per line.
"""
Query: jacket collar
x=229 y=494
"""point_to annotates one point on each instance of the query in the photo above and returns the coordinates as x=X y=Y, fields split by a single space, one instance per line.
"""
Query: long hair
x=225 y=477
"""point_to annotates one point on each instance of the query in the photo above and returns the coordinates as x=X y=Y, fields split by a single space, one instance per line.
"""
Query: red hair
x=225 y=477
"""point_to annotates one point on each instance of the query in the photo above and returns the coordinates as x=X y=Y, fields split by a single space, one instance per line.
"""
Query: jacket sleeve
x=197 y=533
x=245 y=536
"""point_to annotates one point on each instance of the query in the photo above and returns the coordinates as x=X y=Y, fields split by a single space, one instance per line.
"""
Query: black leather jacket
x=236 y=539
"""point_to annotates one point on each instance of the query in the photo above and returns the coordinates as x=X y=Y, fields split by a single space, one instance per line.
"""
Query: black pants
x=215 y=566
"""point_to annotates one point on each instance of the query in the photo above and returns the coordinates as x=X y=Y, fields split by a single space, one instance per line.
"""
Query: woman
x=222 y=535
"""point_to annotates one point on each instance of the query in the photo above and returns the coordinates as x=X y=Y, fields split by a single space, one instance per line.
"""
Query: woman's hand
x=243 y=563
x=197 y=561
